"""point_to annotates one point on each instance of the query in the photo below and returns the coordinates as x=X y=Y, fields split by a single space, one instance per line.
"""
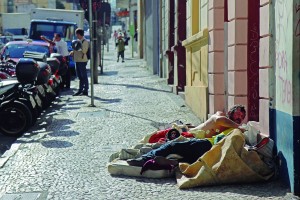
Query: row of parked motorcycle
x=35 y=86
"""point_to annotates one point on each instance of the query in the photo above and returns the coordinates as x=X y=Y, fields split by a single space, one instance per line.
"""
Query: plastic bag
x=251 y=132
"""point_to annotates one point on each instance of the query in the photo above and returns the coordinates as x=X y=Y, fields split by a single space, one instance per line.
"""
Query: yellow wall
x=196 y=44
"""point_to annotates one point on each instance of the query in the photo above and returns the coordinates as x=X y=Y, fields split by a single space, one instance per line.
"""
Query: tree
x=60 y=5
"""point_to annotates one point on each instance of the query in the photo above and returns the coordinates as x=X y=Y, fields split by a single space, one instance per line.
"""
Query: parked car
x=15 y=50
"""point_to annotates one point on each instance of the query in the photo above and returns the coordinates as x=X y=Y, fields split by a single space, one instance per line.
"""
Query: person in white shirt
x=62 y=48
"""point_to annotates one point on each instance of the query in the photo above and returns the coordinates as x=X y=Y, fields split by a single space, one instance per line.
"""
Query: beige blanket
x=227 y=162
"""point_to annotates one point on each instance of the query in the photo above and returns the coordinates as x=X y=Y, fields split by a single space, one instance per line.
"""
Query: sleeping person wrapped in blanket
x=192 y=149
x=200 y=154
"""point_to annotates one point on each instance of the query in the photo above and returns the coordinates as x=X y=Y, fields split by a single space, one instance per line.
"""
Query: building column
x=216 y=89
x=171 y=40
x=237 y=53
x=178 y=49
x=164 y=38
x=266 y=68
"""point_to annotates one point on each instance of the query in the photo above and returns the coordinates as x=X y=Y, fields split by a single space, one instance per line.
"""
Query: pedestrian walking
x=81 y=59
x=61 y=48
x=115 y=35
x=120 y=47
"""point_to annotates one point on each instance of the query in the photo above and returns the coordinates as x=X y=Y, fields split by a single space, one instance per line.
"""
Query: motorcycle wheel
x=34 y=111
x=17 y=120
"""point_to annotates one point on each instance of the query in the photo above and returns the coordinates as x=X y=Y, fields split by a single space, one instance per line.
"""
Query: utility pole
x=103 y=39
x=92 y=60
x=95 y=47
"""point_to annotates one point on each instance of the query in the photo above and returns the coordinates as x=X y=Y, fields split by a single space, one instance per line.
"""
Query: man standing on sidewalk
x=62 y=48
x=80 y=58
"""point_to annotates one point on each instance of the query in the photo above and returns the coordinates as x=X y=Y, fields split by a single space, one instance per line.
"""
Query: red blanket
x=160 y=136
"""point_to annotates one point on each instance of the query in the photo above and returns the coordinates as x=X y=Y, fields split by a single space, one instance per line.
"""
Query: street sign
x=132 y=30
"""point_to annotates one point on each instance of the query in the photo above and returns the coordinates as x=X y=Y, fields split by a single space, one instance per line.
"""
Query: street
x=64 y=156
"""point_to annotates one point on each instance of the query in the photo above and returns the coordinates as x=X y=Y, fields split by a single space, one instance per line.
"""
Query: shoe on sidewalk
x=123 y=61
x=139 y=162
x=85 y=93
x=77 y=93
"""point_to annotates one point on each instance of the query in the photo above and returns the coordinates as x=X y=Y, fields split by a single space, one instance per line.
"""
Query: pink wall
x=240 y=73
x=265 y=68
x=237 y=52
x=216 y=81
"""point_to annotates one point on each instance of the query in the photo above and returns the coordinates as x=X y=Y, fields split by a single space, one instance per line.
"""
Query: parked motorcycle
x=48 y=85
x=38 y=84
x=20 y=103
x=18 y=109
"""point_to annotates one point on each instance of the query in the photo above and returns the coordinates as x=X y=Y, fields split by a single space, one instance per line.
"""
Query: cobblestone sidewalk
x=65 y=155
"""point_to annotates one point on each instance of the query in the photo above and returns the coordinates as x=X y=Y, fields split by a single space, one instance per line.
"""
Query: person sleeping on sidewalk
x=192 y=149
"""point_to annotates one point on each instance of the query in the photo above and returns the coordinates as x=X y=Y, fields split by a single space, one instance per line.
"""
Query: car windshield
x=17 y=50
x=49 y=29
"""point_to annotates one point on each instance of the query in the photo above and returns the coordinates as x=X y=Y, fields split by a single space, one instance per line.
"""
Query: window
x=49 y=29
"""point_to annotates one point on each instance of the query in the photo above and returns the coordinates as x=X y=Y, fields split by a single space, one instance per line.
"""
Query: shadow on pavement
x=63 y=134
x=262 y=190
x=77 y=103
x=70 y=108
x=110 y=73
x=137 y=86
x=56 y=144
x=6 y=143
x=39 y=136
x=39 y=131
x=107 y=101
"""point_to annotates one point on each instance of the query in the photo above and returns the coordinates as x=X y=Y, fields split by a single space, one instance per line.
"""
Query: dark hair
x=234 y=108
x=79 y=31
x=58 y=35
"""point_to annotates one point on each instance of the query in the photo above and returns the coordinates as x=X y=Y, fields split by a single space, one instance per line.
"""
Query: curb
x=9 y=153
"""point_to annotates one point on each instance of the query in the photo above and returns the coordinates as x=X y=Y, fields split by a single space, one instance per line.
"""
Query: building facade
x=279 y=50
x=149 y=23
x=236 y=52
x=197 y=46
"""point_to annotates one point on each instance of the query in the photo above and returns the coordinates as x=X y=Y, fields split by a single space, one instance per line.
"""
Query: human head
x=237 y=113
x=120 y=35
x=57 y=37
x=79 y=33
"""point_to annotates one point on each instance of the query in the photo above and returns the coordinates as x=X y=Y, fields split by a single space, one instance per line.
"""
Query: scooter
x=20 y=105
x=18 y=109
x=48 y=86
